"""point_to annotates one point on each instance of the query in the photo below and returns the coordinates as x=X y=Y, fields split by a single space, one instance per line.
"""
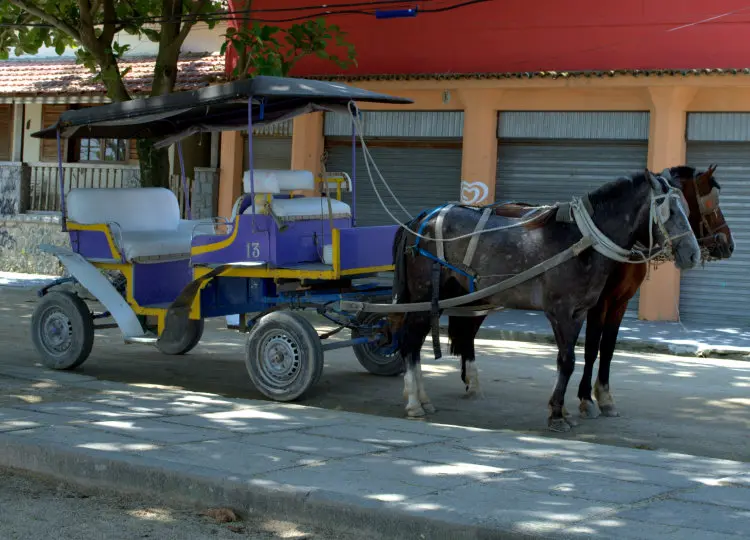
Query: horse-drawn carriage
x=289 y=246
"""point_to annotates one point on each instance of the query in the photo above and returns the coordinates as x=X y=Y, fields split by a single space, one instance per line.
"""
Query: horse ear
x=711 y=169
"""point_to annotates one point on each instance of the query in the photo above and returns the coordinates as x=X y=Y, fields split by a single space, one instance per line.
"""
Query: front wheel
x=284 y=356
x=374 y=357
x=62 y=330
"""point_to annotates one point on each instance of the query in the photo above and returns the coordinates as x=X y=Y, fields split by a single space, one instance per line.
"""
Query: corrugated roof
x=55 y=76
x=537 y=75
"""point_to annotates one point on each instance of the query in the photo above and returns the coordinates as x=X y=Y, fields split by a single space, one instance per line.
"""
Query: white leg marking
x=605 y=400
x=472 y=376
x=413 y=406
x=421 y=393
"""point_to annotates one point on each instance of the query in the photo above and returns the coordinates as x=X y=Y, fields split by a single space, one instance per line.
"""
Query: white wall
x=200 y=39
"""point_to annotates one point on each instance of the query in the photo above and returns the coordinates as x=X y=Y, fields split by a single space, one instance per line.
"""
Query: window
x=103 y=150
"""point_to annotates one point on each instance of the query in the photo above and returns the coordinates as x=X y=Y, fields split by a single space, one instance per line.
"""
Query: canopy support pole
x=61 y=175
x=250 y=154
x=185 y=190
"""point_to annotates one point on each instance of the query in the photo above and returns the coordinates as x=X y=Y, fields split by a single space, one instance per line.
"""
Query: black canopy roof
x=215 y=108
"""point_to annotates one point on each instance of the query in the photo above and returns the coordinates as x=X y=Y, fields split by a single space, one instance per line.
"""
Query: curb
x=93 y=469
x=692 y=351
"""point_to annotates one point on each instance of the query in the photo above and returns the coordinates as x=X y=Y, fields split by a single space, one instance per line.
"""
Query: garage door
x=417 y=152
x=421 y=177
x=719 y=292
x=535 y=168
x=272 y=147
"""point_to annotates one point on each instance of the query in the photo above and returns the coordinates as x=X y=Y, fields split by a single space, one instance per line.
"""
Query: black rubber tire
x=71 y=315
x=190 y=335
x=369 y=358
x=296 y=338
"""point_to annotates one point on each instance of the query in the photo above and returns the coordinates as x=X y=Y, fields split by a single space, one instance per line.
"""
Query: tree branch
x=188 y=25
x=46 y=17
x=110 y=26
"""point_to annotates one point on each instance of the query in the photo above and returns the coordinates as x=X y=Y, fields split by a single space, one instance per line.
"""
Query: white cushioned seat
x=274 y=182
x=145 y=222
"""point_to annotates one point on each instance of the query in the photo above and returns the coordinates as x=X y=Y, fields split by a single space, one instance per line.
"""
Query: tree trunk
x=154 y=164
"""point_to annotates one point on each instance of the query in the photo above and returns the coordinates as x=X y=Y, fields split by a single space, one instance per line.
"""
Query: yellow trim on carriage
x=208 y=248
x=98 y=227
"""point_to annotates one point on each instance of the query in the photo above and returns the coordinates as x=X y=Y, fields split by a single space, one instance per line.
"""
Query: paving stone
x=238 y=458
x=496 y=503
x=159 y=431
x=166 y=405
x=312 y=445
x=258 y=420
x=87 y=411
x=13 y=419
x=628 y=472
x=616 y=528
x=692 y=515
x=368 y=434
x=84 y=437
x=731 y=496
x=373 y=477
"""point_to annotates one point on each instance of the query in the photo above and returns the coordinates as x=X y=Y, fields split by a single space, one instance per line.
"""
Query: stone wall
x=204 y=193
x=20 y=237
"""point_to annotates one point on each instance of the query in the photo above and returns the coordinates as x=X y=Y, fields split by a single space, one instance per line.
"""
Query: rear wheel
x=374 y=357
x=284 y=356
x=62 y=330
x=181 y=339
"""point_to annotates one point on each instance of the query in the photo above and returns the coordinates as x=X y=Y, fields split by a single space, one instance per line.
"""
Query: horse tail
x=400 y=286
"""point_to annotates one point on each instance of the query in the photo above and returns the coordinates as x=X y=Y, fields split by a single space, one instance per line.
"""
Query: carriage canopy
x=222 y=107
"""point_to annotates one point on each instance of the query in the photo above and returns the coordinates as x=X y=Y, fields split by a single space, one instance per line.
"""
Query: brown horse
x=701 y=190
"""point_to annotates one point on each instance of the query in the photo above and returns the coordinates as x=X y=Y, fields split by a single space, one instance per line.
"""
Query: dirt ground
x=32 y=507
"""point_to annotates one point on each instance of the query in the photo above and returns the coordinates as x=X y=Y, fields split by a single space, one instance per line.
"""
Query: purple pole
x=185 y=191
x=61 y=174
x=250 y=152
x=354 y=172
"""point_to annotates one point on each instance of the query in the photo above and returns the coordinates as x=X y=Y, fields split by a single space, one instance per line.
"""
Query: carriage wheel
x=62 y=330
x=188 y=335
x=284 y=357
x=372 y=356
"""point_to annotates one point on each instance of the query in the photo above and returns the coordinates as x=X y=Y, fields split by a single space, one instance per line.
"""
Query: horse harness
x=578 y=211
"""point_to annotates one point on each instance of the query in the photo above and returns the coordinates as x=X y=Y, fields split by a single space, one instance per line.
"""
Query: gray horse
x=641 y=208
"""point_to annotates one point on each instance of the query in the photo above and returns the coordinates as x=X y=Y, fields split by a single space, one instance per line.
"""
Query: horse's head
x=669 y=222
x=702 y=193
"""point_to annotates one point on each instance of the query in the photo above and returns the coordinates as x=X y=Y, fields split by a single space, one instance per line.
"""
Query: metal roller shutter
x=719 y=292
x=548 y=171
x=420 y=176
x=269 y=153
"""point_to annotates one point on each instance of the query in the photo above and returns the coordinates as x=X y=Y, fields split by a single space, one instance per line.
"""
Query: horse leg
x=594 y=323
x=609 y=339
x=461 y=333
x=566 y=331
x=417 y=327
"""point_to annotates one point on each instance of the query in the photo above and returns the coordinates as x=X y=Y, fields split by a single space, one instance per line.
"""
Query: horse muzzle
x=722 y=246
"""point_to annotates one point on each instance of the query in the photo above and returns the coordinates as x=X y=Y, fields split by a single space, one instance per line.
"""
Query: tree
x=91 y=28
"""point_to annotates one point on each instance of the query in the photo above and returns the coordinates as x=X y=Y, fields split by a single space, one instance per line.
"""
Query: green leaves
x=260 y=52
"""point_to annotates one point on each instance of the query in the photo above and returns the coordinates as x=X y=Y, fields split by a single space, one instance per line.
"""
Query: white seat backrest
x=278 y=181
x=134 y=209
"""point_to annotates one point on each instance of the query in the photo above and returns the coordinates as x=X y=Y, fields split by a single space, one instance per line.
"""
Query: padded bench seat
x=145 y=222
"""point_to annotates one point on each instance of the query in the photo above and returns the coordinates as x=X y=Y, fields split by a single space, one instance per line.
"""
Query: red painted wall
x=534 y=35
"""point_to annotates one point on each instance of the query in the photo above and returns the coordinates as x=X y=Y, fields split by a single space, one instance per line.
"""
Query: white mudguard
x=97 y=284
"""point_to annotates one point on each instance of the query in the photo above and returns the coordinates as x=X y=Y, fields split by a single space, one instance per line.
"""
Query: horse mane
x=684 y=171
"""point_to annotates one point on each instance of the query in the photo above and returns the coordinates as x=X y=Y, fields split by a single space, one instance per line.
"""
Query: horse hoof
x=610 y=411
x=588 y=409
x=415 y=412
x=429 y=408
x=558 y=425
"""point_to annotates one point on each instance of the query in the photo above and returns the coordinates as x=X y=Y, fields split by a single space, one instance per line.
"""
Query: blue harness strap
x=429 y=215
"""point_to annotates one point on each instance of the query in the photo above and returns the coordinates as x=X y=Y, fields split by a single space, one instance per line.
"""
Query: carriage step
x=147 y=339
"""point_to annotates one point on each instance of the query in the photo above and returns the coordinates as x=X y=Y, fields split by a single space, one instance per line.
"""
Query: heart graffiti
x=473 y=192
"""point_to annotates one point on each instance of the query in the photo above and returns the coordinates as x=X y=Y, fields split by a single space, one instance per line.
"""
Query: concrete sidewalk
x=401 y=478
x=683 y=339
